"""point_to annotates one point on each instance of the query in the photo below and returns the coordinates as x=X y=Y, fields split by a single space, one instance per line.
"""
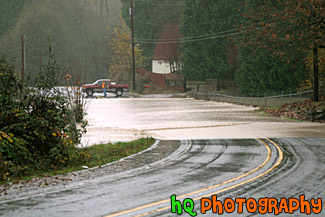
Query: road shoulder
x=159 y=151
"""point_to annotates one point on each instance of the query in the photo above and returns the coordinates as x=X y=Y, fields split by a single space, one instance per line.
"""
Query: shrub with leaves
x=76 y=98
x=37 y=129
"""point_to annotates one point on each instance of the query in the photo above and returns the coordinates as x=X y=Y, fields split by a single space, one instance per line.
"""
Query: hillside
x=77 y=31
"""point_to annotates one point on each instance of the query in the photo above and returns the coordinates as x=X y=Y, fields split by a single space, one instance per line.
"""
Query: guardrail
x=265 y=101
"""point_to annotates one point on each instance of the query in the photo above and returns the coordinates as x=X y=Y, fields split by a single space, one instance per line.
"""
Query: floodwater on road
x=125 y=119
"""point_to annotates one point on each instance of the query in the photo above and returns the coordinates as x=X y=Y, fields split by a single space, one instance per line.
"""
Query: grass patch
x=195 y=83
x=93 y=156
x=106 y=153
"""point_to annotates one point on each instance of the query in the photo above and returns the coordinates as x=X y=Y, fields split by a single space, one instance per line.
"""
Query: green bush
x=37 y=129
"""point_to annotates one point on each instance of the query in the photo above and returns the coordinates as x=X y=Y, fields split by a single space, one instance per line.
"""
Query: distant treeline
x=77 y=30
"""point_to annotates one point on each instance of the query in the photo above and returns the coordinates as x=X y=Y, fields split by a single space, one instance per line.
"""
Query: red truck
x=96 y=87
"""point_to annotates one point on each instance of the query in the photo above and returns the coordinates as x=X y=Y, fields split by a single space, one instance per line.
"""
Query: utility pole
x=316 y=73
x=132 y=36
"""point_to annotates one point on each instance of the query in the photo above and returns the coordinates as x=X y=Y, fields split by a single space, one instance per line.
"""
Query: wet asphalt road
x=229 y=168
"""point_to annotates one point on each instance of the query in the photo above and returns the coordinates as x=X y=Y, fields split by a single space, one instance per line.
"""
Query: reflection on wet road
x=229 y=168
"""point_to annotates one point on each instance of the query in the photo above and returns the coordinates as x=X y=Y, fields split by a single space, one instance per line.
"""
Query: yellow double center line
x=280 y=158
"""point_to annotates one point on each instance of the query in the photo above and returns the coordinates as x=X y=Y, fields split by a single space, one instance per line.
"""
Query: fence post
x=290 y=97
x=299 y=93
x=251 y=99
x=230 y=96
x=244 y=99
x=258 y=100
x=236 y=97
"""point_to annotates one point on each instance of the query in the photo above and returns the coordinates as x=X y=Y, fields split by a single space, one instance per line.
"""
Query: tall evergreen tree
x=206 y=28
x=271 y=58
x=262 y=72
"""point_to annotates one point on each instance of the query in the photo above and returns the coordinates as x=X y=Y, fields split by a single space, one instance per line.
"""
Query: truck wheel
x=89 y=92
x=119 y=92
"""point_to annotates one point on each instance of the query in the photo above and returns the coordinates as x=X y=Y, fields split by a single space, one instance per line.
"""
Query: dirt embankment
x=304 y=111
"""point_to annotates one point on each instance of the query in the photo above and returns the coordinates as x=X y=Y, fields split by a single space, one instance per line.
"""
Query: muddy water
x=125 y=119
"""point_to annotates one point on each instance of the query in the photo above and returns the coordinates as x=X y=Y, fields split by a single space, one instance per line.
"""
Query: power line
x=184 y=40
x=203 y=36
x=168 y=3
x=198 y=24
x=175 y=4
x=184 y=25
x=226 y=33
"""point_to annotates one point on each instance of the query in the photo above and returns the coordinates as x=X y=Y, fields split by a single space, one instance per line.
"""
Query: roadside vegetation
x=37 y=126
x=38 y=131
x=303 y=111
x=89 y=157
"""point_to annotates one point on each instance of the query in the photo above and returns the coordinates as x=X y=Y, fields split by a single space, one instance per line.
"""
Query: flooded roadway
x=124 y=119
x=242 y=166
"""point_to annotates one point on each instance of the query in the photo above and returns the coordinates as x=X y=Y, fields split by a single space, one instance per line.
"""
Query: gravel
x=160 y=150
